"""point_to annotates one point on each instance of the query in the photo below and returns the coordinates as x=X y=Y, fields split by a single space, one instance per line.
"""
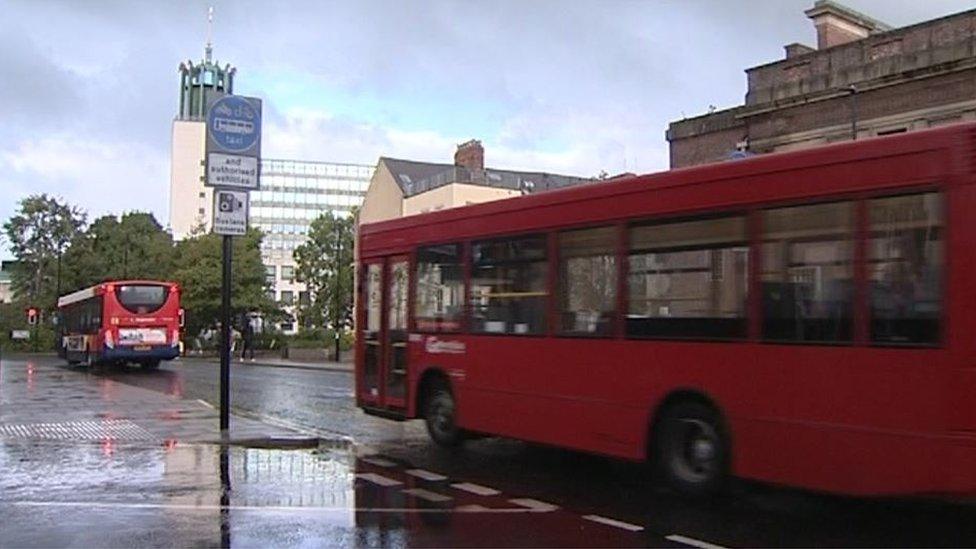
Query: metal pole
x=853 y=91
x=225 y=339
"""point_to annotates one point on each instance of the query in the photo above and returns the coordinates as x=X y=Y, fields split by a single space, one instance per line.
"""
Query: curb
x=268 y=443
x=343 y=369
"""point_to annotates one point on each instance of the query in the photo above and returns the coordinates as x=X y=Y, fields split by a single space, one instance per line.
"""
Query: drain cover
x=115 y=429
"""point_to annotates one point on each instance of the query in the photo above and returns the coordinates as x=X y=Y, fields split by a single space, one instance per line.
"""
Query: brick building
x=863 y=78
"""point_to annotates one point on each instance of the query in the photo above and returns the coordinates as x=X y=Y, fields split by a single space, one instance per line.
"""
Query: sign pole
x=225 y=327
x=232 y=167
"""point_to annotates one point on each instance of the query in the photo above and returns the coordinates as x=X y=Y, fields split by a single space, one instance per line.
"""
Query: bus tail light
x=176 y=338
x=182 y=317
x=109 y=340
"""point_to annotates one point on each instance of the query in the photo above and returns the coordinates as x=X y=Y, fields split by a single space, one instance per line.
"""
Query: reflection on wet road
x=392 y=488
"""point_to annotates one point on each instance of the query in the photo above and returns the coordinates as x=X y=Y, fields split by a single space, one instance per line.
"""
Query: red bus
x=121 y=321
x=802 y=318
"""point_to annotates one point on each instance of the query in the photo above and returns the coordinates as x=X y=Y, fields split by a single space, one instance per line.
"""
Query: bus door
x=395 y=367
x=386 y=288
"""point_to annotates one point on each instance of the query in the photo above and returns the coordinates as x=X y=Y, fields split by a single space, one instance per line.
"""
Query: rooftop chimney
x=470 y=155
x=837 y=24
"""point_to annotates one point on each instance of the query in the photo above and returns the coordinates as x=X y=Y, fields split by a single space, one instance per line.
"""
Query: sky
x=89 y=89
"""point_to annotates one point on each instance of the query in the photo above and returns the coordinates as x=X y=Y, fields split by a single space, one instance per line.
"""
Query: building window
x=201 y=211
x=304 y=298
x=587 y=281
x=688 y=279
x=287 y=298
x=270 y=294
x=270 y=274
x=440 y=288
x=288 y=272
x=807 y=288
x=905 y=268
x=508 y=285
x=202 y=194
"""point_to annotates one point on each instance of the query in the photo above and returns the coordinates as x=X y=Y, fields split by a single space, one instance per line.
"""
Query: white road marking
x=379 y=462
x=205 y=403
x=474 y=508
x=614 y=523
x=534 y=504
x=693 y=542
x=476 y=489
x=426 y=475
x=428 y=495
x=378 y=479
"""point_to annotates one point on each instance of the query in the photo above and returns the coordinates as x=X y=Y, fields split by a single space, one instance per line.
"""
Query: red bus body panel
x=855 y=419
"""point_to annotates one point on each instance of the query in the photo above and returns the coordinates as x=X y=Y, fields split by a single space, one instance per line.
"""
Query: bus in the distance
x=124 y=321
x=802 y=318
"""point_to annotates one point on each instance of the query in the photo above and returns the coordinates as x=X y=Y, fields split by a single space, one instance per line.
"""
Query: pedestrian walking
x=247 y=339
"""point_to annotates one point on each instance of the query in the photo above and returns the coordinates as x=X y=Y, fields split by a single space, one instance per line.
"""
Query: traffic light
x=32 y=316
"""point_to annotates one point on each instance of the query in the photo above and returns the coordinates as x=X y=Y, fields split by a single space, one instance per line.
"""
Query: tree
x=38 y=234
x=133 y=247
x=325 y=264
x=198 y=270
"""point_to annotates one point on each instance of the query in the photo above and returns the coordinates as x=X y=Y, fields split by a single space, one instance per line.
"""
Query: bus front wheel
x=692 y=449
x=441 y=417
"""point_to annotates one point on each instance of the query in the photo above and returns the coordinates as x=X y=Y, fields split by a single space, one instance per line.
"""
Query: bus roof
x=97 y=289
x=387 y=235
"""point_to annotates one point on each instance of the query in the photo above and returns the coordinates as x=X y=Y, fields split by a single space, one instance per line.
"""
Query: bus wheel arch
x=689 y=443
x=437 y=406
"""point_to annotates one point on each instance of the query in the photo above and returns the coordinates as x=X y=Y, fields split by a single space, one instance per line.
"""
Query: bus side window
x=587 y=281
x=807 y=273
x=688 y=279
x=508 y=285
x=905 y=268
x=439 y=302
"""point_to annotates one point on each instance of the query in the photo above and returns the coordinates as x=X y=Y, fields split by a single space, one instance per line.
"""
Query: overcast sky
x=89 y=88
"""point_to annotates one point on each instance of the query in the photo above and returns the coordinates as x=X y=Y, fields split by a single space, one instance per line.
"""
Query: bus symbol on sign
x=234 y=123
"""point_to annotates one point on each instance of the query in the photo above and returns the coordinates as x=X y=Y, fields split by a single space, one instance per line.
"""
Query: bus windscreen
x=141 y=299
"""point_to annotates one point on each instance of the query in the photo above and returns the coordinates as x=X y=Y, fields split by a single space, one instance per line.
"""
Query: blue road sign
x=234 y=124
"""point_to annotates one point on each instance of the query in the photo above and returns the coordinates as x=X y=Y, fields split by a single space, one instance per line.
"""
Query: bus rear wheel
x=692 y=449
x=441 y=417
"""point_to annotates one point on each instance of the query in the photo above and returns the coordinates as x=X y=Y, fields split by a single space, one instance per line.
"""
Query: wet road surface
x=392 y=487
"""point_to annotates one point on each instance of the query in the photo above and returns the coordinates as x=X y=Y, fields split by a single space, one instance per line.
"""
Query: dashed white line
x=428 y=495
x=475 y=489
x=473 y=508
x=379 y=462
x=426 y=475
x=614 y=523
x=205 y=403
x=693 y=542
x=378 y=479
x=534 y=504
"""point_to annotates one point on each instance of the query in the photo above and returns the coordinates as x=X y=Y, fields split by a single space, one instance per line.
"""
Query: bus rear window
x=141 y=299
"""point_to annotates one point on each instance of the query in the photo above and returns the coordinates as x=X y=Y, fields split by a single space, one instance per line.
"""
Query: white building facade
x=293 y=194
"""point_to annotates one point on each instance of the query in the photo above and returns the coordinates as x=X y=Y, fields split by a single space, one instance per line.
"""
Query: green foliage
x=135 y=247
x=325 y=264
x=319 y=338
x=198 y=269
x=38 y=234
x=12 y=317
